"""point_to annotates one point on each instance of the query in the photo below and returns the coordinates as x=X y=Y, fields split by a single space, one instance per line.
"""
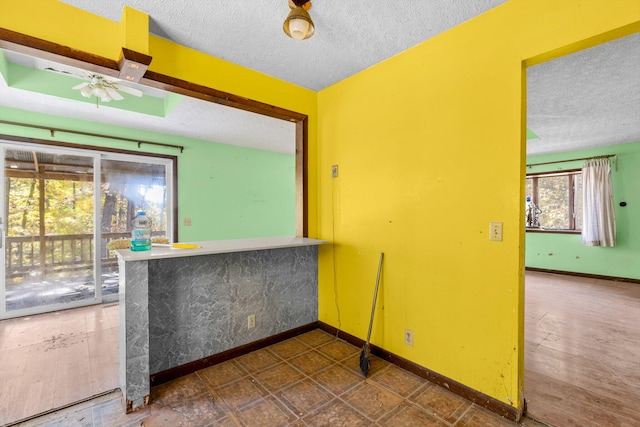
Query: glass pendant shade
x=298 y=24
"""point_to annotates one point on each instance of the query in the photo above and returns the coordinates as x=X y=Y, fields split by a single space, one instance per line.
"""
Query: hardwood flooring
x=582 y=350
x=54 y=359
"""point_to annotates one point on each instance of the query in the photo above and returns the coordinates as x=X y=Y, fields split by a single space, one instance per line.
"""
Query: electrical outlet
x=251 y=321
x=408 y=337
x=334 y=171
x=187 y=222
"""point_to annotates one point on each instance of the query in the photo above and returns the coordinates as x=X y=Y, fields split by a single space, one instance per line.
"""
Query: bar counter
x=178 y=306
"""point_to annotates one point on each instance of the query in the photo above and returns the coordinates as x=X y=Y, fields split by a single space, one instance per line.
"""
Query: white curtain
x=598 y=219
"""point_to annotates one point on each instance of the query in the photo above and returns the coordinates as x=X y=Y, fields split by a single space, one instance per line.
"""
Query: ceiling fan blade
x=114 y=94
x=80 y=86
x=129 y=90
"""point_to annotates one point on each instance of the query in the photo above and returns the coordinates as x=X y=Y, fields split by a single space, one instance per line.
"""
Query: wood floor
x=54 y=359
x=582 y=350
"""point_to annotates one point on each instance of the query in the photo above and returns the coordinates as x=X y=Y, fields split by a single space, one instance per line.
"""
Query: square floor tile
x=409 y=415
x=371 y=400
x=477 y=417
x=398 y=380
x=289 y=348
x=304 y=396
x=336 y=413
x=315 y=338
x=338 y=350
x=311 y=362
x=278 y=376
x=222 y=374
x=267 y=412
x=258 y=360
x=443 y=403
x=241 y=393
x=337 y=379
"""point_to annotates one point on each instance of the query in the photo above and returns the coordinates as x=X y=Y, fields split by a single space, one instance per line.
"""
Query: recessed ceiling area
x=32 y=88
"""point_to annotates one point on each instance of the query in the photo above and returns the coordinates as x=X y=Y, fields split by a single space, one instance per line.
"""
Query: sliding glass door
x=60 y=209
x=129 y=185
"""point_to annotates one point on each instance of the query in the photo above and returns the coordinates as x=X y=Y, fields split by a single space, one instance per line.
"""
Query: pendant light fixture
x=298 y=24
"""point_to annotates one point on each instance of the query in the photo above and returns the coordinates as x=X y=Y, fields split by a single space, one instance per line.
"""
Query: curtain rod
x=575 y=160
x=76 y=132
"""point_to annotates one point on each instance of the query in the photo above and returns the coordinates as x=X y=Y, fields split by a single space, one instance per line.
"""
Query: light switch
x=495 y=231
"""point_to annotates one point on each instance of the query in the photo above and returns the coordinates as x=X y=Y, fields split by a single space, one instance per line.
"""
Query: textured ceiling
x=350 y=35
x=588 y=99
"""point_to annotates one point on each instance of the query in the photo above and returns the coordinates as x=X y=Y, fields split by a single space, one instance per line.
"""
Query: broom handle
x=375 y=297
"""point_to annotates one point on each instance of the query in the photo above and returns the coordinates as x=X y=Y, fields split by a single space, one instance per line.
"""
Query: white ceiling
x=587 y=99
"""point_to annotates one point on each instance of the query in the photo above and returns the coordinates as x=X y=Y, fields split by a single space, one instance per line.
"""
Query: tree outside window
x=559 y=198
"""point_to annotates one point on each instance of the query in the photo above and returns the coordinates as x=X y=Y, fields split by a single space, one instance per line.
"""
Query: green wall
x=565 y=252
x=228 y=192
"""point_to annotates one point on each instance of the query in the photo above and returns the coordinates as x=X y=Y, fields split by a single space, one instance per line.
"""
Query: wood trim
x=133 y=65
x=302 y=179
x=40 y=48
x=194 y=90
x=188 y=368
x=44 y=49
x=588 y=275
x=480 y=399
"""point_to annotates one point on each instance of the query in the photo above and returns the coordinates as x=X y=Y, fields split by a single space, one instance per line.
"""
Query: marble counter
x=181 y=305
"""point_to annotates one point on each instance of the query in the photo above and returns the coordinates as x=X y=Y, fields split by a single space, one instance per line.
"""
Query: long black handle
x=375 y=297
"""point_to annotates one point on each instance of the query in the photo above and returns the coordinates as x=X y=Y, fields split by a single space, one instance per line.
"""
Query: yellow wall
x=430 y=145
x=51 y=20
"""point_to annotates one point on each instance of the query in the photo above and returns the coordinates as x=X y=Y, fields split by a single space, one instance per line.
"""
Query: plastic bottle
x=141 y=232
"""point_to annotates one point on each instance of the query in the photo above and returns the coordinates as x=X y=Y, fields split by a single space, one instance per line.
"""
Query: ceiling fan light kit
x=104 y=89
x=299 y=25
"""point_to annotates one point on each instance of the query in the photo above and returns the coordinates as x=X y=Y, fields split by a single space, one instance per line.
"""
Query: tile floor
x=310 y=380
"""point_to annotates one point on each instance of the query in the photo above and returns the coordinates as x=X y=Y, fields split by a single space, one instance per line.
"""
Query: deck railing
x=69 y=252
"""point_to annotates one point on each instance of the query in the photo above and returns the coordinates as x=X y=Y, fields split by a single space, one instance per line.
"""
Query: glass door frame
x=170 y=163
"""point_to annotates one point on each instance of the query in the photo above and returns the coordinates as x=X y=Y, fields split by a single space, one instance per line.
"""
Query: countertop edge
x=219 y=247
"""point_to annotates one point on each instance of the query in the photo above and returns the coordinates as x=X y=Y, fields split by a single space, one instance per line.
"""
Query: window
x=558 y=198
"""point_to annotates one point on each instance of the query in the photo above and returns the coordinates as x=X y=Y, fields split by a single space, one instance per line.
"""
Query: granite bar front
x=181 y=305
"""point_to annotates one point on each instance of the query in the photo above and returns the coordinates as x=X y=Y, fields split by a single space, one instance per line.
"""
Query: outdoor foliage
x=553 y=199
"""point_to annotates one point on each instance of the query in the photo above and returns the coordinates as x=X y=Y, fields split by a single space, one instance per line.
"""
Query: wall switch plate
x=495 y=231
x=408 y=337
x=334 y=171
x=251 y=321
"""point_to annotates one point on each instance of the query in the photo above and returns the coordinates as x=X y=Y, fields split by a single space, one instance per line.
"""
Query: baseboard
x=590 y=276
x=189 y=368
x=480 y=399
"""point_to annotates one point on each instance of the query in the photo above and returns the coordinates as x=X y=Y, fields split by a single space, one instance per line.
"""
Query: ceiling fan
x=104 y=89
